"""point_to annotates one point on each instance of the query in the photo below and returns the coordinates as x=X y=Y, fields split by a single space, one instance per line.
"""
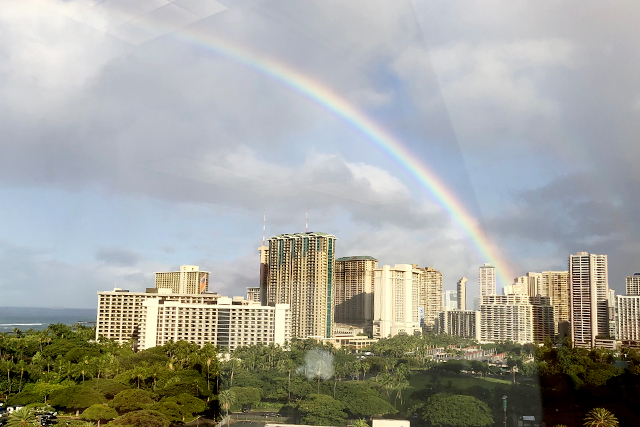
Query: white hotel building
x=152 y=318
x=396 y=301
x=628 y=317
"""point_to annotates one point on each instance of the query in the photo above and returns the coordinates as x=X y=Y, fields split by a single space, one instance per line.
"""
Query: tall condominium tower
x=264 y=273
x=628 y=319
x=253 y=294
x=633 y=284
x=449 y=300
x=589 y=292
x=396 y=301
x=353 y=290
x=430 y=301
x=301 y=274
x=189 y=280
x=533 y=284
x=555 y=285
x=462 y=293
x=487 y=280
x=518 y=318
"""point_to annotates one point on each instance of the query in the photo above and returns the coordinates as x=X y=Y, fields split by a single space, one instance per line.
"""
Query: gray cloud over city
x=167 y=152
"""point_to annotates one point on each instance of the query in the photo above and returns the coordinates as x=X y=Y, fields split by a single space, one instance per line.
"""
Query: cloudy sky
x=140 y=135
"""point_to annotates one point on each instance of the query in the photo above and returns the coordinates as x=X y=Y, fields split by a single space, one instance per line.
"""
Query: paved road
x=238 y=423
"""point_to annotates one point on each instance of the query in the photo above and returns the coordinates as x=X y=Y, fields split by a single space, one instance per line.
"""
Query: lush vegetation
x=107 y=384
x=103 y=383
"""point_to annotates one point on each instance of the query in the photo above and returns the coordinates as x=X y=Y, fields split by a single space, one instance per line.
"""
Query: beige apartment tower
x=353 y=291
x=555 y=285
x=264 y=273
x=253 y=294
x=459 y=323
x=517 y=318
x=487 y=280
x=589 y=293
x=430 y=296
x=189 y=280
x=462 y=293
x=633 y=285
x=629 y=319
x=301 y=274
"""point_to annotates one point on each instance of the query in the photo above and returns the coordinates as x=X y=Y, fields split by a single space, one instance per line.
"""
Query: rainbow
x=341 y=108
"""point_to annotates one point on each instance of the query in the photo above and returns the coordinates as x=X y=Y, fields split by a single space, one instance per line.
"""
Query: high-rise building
x=264 y=272
x=487 y=280
x=517 y=288
x=555 y=285
x=629 y=318
x=353 y=291
x=506 y=317
x=517 y=318
x=449 y=300
x=430 y=301
x=189 y=280
x=543 y=320
x=633 y=284
x=396 y=301
x=460 y=323
x=253 y=294
x=589 y=293
x=301 y=274
x=612 y=314
x=462 y=293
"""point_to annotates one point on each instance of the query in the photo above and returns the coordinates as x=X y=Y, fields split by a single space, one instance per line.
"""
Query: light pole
x=504 y=407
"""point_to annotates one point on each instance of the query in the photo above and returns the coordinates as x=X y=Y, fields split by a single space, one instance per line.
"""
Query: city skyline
x=409 y=138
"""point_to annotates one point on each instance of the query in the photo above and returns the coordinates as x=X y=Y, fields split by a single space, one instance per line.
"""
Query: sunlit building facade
x=301 y=274
x=396 y=301
x=589 y=294
x=189 y=280
x=487 y=280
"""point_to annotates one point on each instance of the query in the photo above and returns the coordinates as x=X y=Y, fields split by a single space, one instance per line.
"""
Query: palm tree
x=360 y=423
x=22 y=418
x=226 y=398
x=600 y=417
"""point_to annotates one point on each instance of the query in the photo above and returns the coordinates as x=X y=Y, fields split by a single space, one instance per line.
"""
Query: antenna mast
x=264 y=226
x=306 y=226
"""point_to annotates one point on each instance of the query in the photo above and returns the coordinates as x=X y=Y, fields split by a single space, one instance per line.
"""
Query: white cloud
x=47 y=58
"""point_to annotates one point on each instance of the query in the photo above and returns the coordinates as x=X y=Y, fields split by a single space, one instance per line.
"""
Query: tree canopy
x=446 y=410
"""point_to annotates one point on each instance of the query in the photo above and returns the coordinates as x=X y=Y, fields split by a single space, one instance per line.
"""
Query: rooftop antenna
x=264 y=225
x=306 y=227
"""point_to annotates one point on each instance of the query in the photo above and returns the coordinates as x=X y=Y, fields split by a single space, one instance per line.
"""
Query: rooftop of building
x=357 y=258
x=306 y=234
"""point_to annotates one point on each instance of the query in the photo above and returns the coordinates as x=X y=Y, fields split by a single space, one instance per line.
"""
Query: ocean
x=25 y=318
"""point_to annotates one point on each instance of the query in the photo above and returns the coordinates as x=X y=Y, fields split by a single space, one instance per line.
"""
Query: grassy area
x=420 y=380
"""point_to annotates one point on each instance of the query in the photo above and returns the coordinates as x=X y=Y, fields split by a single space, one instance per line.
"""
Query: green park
x=103 y=383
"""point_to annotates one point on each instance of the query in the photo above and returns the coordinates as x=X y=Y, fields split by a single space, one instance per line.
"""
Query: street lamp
x=504 y=407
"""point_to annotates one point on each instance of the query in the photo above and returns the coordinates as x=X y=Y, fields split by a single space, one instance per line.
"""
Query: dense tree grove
x=104 y=382
x=107 y=384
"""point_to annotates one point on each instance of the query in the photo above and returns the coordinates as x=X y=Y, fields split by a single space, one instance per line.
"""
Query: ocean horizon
x=38 y=318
